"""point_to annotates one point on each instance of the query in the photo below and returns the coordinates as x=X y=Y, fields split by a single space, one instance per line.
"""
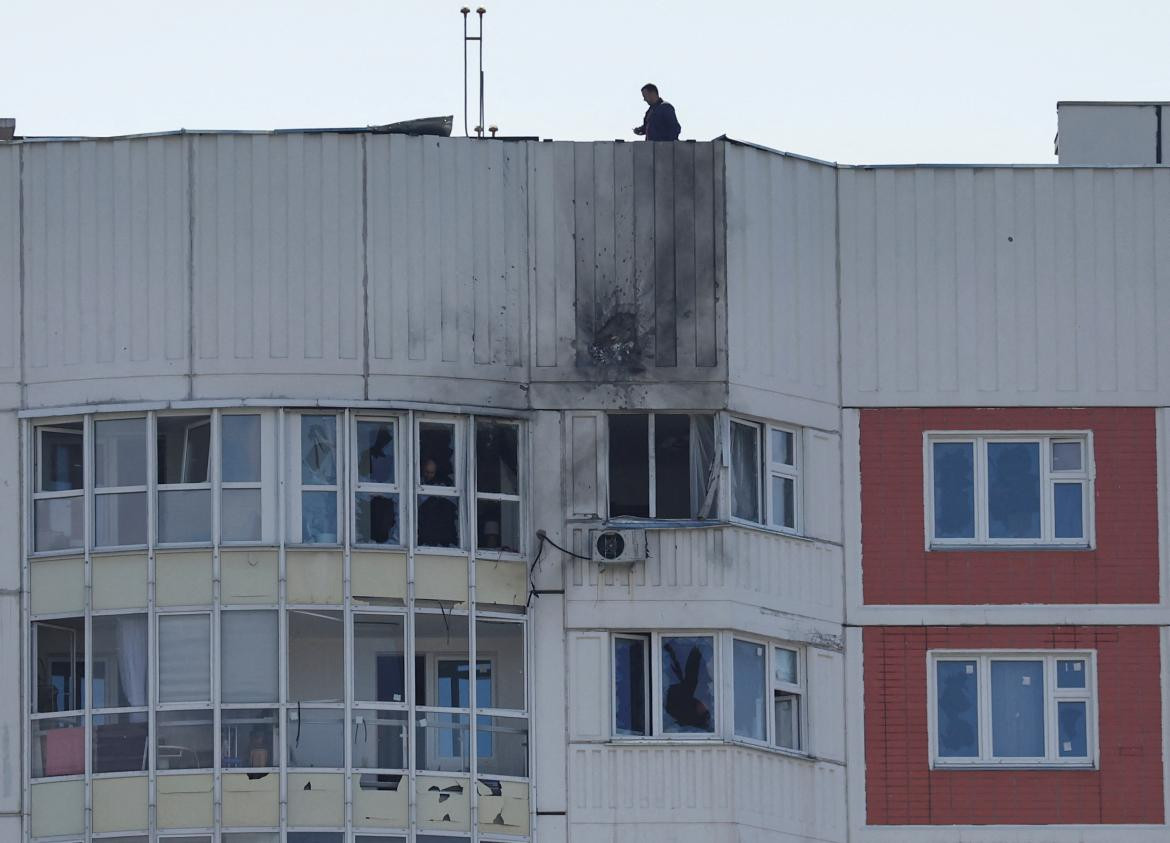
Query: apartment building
x=771 y=499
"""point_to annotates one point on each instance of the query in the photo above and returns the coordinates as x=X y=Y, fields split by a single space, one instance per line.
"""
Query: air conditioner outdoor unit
x=618 y=547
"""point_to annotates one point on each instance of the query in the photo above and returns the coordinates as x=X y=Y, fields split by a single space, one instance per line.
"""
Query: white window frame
x=647 y=640
x=37 y=462
x=1052 y=696
x=144 y=489
x=397 y=488
x=771 y=686
x=456 y=492
x=266 y=484
x=183 y=486
x=656 y=719
x=979 y=440
x=297 y=488
x=766 y=469
x=477 y=495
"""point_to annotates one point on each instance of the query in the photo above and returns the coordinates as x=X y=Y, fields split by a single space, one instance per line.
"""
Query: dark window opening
x=678 y=469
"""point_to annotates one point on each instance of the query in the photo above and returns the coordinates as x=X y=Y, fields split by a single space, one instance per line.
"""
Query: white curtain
x=249 y=654
x=184 y=658
x=703 y=466
x=132 y=657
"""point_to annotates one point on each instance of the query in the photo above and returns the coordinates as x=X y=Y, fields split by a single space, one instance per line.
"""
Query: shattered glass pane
x=958 y=715
x=1013 y=490
x=497 y=462
x=954 y=490
x=376 y=452
x=688 y=684
x=1017 y=709
x=376 y=518
x=318 y=450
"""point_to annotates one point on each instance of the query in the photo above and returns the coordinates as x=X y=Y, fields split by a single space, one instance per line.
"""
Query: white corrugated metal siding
x=782 y=277
x=1005 y=286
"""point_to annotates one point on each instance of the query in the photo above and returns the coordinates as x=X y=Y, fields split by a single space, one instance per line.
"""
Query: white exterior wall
x=1003 y=286
x=782 y=286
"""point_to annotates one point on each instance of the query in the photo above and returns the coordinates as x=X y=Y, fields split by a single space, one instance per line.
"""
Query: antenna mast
x=465 y=11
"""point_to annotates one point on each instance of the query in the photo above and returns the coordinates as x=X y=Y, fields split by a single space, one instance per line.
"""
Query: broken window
x=184 y=483
x=688 y=684
x=497 y=485
x=662 y=465
x=248 y=656
x=379 y=739
x=439 y=492
x=315 y=656
x=241 y=464
x=376 y=498
x=442 y=691
x=765 y=474
x=1010 y=490
x=184 y=658
x=248 y=738
x=379 y=658
x=631 y=677
x=184 y=740
x=120 y=482
x=59 y=487
x=318 y=479
x=1014 y=708
x=59 y=656
x=316 y=737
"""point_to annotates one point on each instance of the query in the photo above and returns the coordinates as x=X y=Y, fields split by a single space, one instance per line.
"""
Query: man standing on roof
x=660 y=124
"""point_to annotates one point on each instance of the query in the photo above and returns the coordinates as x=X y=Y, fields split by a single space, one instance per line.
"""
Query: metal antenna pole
x=482 y=122
x=465 y=12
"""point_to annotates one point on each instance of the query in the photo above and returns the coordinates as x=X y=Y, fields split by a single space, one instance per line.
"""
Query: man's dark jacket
x=660 y=123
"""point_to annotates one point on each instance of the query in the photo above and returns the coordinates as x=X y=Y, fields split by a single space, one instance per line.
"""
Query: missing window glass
x=661 y=465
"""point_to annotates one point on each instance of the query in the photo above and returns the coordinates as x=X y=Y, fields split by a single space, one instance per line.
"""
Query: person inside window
x=438 y=516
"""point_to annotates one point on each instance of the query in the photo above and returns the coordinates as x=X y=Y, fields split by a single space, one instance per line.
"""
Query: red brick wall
x=1123 y=568
x=901 y=789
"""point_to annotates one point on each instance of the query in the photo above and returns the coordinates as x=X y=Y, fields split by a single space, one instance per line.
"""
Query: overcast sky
x=855 y=82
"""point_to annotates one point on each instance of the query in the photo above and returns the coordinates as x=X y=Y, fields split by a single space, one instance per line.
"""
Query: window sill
x=704 y=524
x=628 y=742
x=984 y=766
x=1015 y=548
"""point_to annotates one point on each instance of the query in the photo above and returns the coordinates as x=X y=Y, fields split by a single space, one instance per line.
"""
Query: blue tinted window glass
x=1070 y=673
x=1013 y=490
x=629 y=655
x=1073 y=729
x=954 y=490
x=1066 y=498
x=750 y=678
x=958 y=713
x=1017 y=709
